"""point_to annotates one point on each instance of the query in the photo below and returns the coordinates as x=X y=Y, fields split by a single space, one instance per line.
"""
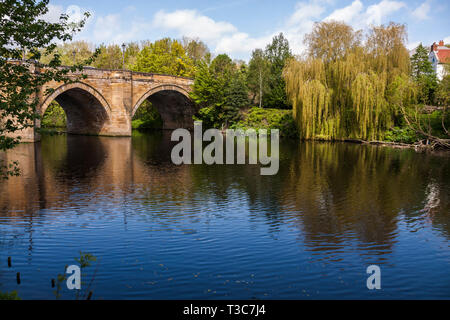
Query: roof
x=443 y=54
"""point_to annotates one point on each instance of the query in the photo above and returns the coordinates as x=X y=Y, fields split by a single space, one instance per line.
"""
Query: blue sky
x=238 y=27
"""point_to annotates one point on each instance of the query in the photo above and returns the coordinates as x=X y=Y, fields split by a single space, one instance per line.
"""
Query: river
x=161 y=231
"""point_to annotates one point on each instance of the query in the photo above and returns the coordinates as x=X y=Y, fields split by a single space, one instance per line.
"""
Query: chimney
x=434 y=47
x=441 y=43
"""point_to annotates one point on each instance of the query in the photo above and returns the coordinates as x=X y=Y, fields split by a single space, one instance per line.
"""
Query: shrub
x=259 y=118
x=403 y=135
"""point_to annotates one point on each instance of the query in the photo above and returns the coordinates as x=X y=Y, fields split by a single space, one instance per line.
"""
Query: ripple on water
x=164 y=231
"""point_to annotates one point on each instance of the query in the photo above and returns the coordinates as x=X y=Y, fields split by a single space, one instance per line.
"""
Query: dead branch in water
x=431 y=142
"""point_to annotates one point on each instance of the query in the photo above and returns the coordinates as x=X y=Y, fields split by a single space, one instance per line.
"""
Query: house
x=439 y=56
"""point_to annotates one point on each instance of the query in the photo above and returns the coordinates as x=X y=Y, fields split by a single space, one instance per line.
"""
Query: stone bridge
x=106 y=100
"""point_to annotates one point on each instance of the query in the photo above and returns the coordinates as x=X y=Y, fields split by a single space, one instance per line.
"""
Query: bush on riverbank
x=259 y=118
x=401 y=135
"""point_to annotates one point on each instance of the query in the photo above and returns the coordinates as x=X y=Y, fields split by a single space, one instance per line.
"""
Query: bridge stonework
x=105 y=102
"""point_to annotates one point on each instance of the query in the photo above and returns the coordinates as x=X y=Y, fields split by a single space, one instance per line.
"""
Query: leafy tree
x=277 y=54
x=131 y=53
x=236 y=98
x=164 y=56
x=220 y=90
x=110 y=57
x=196 y=50
x=385 y=45
x=258 y=75
x=223 y=66
x=331 y=40
x=22 y=29
x=424 y=75
x=205 y=85
x=71 y=53
x=357 y=95
x=443 y=92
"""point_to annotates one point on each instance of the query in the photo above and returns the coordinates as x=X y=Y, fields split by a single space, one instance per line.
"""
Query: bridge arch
x=87 y=111
x=172 y=102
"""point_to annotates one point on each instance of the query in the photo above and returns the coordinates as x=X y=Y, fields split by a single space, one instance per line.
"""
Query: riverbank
x=282 y=119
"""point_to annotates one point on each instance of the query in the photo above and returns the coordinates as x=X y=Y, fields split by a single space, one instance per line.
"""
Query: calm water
x=161 y=231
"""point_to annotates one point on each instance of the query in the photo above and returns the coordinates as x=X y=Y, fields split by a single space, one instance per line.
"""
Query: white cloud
x=113 y=29
x=301 y=22
x=412 y=45
x=377 y=12
x=356 y=16
x=107 y=27
x=241 y=42
x=192 y=24
x=222 y=37
x=75 y=13
x=421 y=12
x=347 y=14
x=305 y=11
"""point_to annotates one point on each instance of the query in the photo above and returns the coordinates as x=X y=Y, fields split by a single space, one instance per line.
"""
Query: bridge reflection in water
x=308 y=231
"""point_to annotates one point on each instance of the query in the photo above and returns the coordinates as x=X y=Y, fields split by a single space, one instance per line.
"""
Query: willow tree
x=331 y=40
x=340 y=90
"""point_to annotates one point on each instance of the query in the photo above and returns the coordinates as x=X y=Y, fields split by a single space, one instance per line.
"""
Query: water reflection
x=330 y=202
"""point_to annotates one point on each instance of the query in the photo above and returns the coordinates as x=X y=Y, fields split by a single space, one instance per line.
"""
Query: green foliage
x=71 y=53
x=330 y=41
x=403 y=135
x=424 y=75
x=110 y=57
x=357 y=93
x=443 y=92
x=54 y=117
x=265 y=74
x=258 y=76
x=9 y=296
x=264 y=118
x=220 y=90
x=131 y=53
x=165 y=56
x=22 y=30
x=196 y=50
x=236 y=98
x=277 y=54
x=432 y=123
x=207 y=88
x=147 y=117
x=85 y=259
